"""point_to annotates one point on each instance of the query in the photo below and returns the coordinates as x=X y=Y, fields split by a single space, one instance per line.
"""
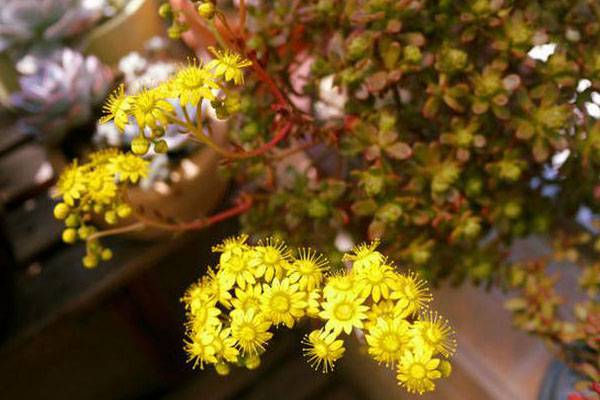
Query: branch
x=243 y=204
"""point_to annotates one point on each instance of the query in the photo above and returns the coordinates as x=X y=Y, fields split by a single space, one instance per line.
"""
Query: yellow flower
x=103 y=156
x=102 y=188
x=71 y=184
x=417 y=371
x=313 y=307
x=237 y=243
x=228 y=64
x=192 y=84
x=270 y=259
x=384 y=309
x=412 y=294
x=281 y=302
x=200 y=349
x=434 y=331
x=218 y=286
x=343 y=313
x=322 y=348
x=364 y=255
x=117 y=108
x=197 y=293
x=308 y=269
x=339 y=284
x=248 y=299
x=376 y=280
x=235 y=267
x=224 y=346
x=150 y=107
x=128 y=167
x=202 y=316
x=251 y=330
x=388 y=339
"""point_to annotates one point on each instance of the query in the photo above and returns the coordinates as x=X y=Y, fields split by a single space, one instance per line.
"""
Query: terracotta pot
x=197 y=192
x=194 y=191
x=126 y=32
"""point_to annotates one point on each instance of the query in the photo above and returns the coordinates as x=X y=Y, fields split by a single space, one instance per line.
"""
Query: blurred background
x=116 y=332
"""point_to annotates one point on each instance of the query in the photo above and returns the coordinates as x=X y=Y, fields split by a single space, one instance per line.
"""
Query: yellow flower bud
x=61 y=211
x=253 y=362
x=222 y=369
x=140 y=145
x=106 y=254
x=165 y=10
x=161 y=146
x=110 y=217
x=90 y=261
x=84 y=232
x=72 y=221
x=124 y=210
x=445 y=368
x=206 y=10
x=69 y=235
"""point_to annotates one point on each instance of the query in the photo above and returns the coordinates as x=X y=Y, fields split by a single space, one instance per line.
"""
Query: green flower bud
x=165 y=11
x=233 y=103
x=445 y=368
x=161 y=146
x=84 y=231
x=207 y=10
x=175 y=31
x=72 y=221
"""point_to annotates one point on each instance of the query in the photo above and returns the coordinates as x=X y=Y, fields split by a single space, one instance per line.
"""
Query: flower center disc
x=343 y=311
x=280 y=303
x=417 y=371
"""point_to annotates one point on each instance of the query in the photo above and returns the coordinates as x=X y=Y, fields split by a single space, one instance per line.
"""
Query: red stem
x=281 y=134
x=243 y=204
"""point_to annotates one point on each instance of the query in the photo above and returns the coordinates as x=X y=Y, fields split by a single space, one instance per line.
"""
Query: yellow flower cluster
x=234 y=308
x=96 y=187
x=153 y=109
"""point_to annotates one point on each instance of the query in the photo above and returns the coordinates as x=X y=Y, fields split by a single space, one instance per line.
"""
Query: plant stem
x=138 y=226
x=243 y=204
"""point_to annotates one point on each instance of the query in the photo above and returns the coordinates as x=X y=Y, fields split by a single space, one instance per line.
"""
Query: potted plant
x=430 y=126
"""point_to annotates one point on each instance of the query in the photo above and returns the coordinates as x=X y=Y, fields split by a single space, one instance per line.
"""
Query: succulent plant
x=42 y=25
x=60 y=92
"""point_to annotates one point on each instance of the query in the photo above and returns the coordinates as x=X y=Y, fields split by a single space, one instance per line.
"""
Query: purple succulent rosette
x=39 y=26
x=60 y=92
